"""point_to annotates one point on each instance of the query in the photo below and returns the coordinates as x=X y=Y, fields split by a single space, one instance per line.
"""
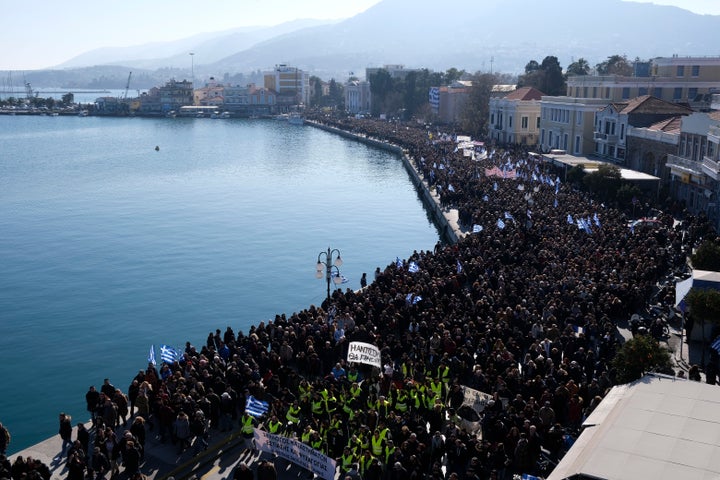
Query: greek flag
x=597 y=219
x=416 y=299
x=509 y=217
x=151 y=355
x=555 y=203
x=485 y=198
x=413 y=267
x=477 y=228
x=459 y=266
x=342 y=277
x=570 y=219
x=451 y=188
x=495 y=186
x=557 y=187
x=500 y=224
x=715 y=345
x=255 y=407
x=398 y=262
x=168 y=354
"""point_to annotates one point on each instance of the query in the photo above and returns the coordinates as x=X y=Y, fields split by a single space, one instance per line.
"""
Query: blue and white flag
x=509 y=217
x=451 y=188
x=557 y=187
x=151 y=355
x=715 y=345
x=398 y=262
x=477 y=228
x=255 y=407
x=343 y=278
x=485 y=198
x=555 y=203
x=169 y=354
x=500 y=224
x=409 y=298
x=495 y=187
x=578 y=330
x=570 y=219
x=413 y=267
x=416 y=299
x=521 y=187
x=459 y=266
x=527 y=476
x=597 y=220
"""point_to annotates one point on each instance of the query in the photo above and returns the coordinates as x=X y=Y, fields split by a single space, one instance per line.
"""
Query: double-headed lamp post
x=326 y=259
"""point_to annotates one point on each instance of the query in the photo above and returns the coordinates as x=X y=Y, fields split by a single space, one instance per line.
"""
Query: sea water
x=121 y=233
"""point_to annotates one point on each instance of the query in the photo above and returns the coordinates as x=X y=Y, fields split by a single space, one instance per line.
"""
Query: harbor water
x=109 y=245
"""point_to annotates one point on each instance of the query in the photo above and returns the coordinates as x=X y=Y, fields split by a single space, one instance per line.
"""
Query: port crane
x=127 y=86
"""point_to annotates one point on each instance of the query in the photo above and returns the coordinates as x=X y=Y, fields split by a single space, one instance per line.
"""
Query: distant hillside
x=475 y=35
x=207 y=47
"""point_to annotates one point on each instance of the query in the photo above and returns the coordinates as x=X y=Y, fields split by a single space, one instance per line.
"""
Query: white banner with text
x=297 y=453
x=360 y=352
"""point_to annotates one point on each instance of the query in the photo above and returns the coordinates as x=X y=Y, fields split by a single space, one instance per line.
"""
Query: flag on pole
x=459 y=266
x=151 y=355
x=398 y=262
x=570 y=219
x=500 y=224
x=169 y=354
x=255 y=407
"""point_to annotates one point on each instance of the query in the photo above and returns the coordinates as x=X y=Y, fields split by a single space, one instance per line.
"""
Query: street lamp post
x=192 y=68
x=325 y=259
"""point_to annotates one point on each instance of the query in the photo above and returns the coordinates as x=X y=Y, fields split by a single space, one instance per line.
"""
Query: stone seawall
x=445 y=220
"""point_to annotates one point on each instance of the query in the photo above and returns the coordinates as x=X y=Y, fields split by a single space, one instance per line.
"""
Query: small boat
x=83 y=113
x=171 y=114
x=296 y=119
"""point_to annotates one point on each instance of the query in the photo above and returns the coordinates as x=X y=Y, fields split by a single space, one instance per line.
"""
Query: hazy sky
x=52 y=31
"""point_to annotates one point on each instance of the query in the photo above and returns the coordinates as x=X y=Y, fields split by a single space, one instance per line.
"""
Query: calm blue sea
x=108 y=246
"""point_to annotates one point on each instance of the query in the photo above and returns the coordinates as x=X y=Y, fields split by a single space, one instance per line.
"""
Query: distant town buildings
x=291 y=85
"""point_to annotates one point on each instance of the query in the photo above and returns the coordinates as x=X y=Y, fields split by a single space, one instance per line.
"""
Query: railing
x=711 y=168
x=600 y=136
x=690 y=166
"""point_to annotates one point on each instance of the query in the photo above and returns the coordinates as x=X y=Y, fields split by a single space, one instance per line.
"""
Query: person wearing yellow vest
x=401 y=401
x=247 y=425
x=444 y=373
x=275 y=426
x=293 y=413
x=437 y=387
x=364 y=461
x=317 y=406
x=306 y=435
x=377 y=443
x=389 y=450
x=345 y=461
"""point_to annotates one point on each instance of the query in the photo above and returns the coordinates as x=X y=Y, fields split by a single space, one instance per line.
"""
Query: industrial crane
x=127 y=86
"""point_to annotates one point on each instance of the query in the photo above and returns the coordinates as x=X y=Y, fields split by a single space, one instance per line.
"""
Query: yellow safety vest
x=247 y=425
x=377 y=445
x=293 y=414
x=274 y=427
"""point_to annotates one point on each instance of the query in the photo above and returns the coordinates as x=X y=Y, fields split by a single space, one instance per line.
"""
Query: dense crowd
x=524 y=309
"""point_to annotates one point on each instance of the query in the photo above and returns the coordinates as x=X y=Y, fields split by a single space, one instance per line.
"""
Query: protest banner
x=360 y=352
x=296 y=452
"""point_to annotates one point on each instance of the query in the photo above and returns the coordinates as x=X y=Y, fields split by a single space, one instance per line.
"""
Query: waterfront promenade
x=474 y=326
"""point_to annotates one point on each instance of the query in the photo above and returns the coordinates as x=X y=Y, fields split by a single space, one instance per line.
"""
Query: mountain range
x=474 y=35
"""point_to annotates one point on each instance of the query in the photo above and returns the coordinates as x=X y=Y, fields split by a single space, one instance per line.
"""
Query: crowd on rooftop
x=523 y=308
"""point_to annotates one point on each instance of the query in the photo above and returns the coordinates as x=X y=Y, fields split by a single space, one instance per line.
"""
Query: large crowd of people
x=524 y=308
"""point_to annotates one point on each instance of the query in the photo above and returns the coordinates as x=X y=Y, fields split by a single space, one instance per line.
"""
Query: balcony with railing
x=711 y=168
x=684 y=165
